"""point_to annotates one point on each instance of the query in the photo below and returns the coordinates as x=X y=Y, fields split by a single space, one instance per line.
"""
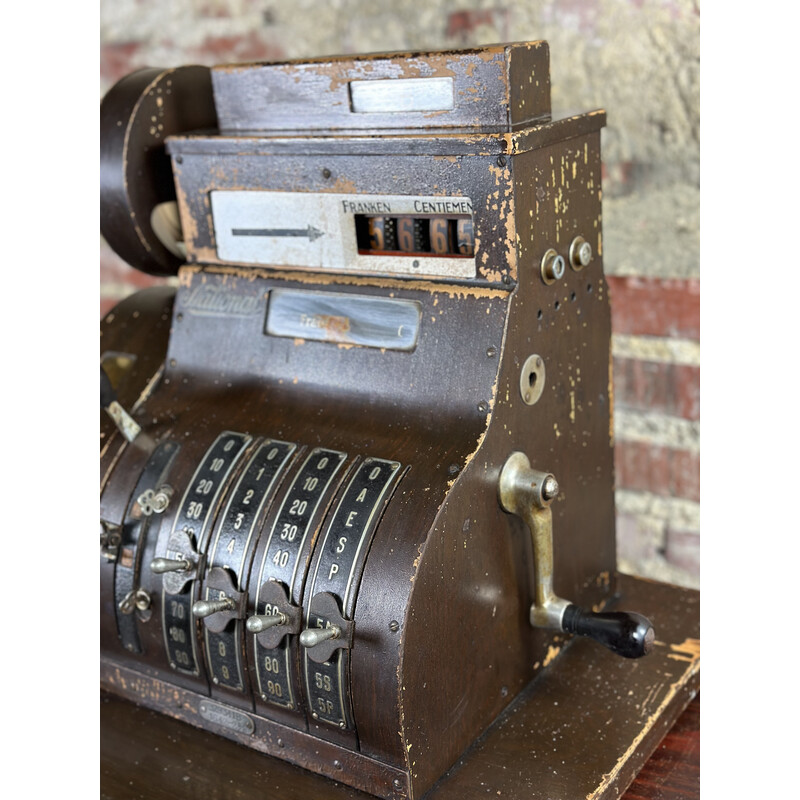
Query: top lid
x=487 y=89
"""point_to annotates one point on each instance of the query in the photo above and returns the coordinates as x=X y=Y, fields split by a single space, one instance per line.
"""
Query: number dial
x=346 y=538
x=134 y=535
x=223 y=633
x=281 y=563
x=192 y=520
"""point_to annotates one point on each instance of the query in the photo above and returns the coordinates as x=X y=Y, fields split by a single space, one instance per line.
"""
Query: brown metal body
x=437 y=603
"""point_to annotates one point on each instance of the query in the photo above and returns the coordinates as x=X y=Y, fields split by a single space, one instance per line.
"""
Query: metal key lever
x=528 y=493
x=126 y=424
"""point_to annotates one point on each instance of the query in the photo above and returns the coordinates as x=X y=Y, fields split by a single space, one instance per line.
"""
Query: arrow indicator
x=310 y=232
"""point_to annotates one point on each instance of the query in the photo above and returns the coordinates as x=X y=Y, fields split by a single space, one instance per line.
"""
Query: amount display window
x=423 y=235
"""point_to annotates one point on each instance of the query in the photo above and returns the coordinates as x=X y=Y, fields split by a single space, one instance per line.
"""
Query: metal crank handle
x=528 y=493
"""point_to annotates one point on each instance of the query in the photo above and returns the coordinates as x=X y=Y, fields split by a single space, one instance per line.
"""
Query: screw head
x=580 y=253
x=549 y=488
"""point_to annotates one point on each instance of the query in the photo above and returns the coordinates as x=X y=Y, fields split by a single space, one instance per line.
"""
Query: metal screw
x=179 y=159
x=326 y=173
x=483 y=406
x=507 y=280
x=397 y=783
x=580 y=253
x=491 y=351
x=501 y=161
x=453 y=469
x=280 y=741
x=415 y=263
x=337 y=764
x=394 y=626
x=549 y=488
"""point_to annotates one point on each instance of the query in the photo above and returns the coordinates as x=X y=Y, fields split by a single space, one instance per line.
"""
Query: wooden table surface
x=671 y=773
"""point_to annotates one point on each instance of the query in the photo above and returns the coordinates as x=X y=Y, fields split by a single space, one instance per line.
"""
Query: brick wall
x=638 y=59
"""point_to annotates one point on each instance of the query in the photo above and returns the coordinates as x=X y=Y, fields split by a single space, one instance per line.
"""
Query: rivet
x=179 y=159
x=415 y=263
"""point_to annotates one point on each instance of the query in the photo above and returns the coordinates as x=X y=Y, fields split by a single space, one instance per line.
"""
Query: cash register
x=356 y=457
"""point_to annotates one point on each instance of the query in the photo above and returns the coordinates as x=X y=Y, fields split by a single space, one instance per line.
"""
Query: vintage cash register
x=357 y=461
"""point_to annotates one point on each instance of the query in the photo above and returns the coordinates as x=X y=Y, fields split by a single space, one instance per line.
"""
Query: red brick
x=664 y=471
x=461 y=24
x=683 y=550
x=238 y=48
x=672 y=389
x=655 y=306
x=117 y=60
x=635 y=544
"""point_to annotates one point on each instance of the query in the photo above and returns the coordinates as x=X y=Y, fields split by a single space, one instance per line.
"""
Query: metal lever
x=205 y=608
x=163 y=565
x=126 y=424
x=259 y=623
x=528 y=493
x=311 y=637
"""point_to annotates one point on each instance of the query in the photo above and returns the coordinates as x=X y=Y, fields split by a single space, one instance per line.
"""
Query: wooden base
x=582 y=729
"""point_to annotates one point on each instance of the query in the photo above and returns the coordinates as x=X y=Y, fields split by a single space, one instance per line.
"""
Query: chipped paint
x=552 y=652
x=252 y=273
x=690 y=648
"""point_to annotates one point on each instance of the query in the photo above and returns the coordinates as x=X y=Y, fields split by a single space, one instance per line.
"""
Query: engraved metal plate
x=280 y=563
x=194 y=514
x=348 y=534
x=318 y=231
x=353 y=319
x=226 y=717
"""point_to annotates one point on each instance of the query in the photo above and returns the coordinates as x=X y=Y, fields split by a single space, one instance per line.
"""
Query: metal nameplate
x=229 y=551
x=195 y=512
x=344 y=318
x=226 y=717
x=281 y=562
x=402 y=94
x=348 y=535
x=319 y=232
